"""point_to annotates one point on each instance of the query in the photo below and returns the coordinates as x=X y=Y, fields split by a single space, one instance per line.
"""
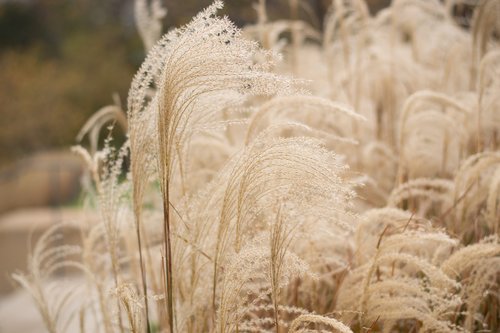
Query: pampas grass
x=350 y=185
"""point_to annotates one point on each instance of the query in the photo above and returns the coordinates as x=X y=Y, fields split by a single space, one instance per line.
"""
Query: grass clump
x=365 y=201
